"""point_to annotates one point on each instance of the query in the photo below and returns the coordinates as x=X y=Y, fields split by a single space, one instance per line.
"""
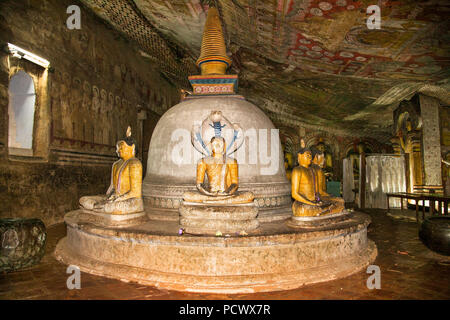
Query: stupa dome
x=171 y=168
x=168 y=177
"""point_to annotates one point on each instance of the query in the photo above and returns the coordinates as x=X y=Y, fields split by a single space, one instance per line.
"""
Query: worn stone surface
x=153 y=254
x=113 y=220
x=210 y=219
x=22 y=243
x=317 y=222
x=45 y=190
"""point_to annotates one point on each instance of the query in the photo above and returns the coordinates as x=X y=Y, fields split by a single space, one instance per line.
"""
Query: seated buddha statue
x=223 y=181
x=328 y=162
x=124 y=194
x=318 y=163
x=308 y=202
x=288 y=162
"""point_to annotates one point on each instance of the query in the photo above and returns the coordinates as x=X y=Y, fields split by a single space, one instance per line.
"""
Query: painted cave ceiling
x=309 y=63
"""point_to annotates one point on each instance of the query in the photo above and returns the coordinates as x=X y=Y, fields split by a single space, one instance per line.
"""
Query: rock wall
x=97 y=84
x=47 y=191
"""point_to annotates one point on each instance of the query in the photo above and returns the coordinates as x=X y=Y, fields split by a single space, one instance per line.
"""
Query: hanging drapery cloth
x=384 y=174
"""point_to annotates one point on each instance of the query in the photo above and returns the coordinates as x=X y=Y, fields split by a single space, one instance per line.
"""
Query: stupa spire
x=213 y=57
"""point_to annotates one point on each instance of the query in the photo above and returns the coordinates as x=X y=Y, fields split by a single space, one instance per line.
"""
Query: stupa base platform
x=275 y=258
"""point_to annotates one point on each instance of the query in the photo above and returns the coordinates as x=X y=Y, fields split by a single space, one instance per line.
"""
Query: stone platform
x=317 y=222
x=112 y=220
x=273 y=258
x=202 y=219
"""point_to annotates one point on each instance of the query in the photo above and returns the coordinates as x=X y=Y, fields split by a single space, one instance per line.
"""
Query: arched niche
x=289 y=139
x=356 y=147
x=330 y=146
x=21 y=111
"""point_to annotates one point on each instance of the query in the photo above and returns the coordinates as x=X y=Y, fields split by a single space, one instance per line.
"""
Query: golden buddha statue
x=305 y=190
x=223 y=181
x=288 y=164
x=318 y=163
x=124 y=194
x=328 y=164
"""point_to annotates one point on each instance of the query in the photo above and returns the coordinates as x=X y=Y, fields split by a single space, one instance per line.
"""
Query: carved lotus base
x=197 y=218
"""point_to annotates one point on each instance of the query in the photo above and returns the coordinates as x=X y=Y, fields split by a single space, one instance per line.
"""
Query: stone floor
x=408 y=271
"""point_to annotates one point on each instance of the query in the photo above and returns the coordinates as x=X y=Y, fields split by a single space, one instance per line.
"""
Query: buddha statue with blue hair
x=221 y=171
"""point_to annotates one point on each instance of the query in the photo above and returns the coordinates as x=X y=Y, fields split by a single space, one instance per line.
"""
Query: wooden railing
x=441 y=200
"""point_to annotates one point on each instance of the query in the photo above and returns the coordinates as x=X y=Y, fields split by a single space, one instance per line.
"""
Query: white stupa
x=171 y=166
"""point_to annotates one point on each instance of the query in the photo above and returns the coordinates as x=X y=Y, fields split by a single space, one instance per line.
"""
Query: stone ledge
x=220 y=284
x=265 y=214
x=317 y=222
x=205 y=219
x=153 y=254
x=113 y=220
x=166 y=232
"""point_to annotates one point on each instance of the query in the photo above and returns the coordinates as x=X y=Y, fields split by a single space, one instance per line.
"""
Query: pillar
x=431 y=143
